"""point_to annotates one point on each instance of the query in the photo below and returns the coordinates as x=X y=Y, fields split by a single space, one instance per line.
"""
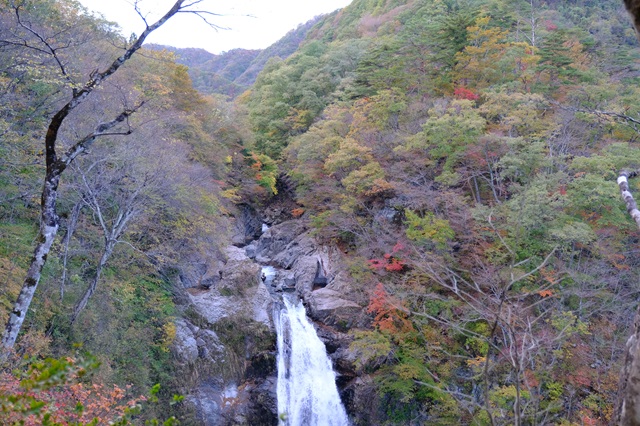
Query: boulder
x=328 y=306
x=185 y=344
x=277 y=238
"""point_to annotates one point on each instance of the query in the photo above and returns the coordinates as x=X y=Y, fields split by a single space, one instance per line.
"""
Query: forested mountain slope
x=232 y=72
x=465 y=154
x=146 y=198
x=461 y=154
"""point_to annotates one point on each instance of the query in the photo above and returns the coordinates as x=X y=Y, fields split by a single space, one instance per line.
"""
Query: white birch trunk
x=628 y=413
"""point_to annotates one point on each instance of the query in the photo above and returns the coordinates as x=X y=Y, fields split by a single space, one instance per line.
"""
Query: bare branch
x=101 y=130
x=50 y=49
x=634 y=123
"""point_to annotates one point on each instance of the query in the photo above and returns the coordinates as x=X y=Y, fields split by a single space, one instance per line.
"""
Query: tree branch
x=101 y=130
x=634 y=123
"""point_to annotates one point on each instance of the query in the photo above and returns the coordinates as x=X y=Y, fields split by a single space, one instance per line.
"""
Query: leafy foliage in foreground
x=55 y=392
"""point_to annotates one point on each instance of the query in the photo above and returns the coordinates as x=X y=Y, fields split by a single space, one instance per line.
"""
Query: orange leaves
x=69 y=403
x=586 y=418
x=297 y=212
x=390 y=316
x=550 y=277
x=545 y=293
x=617 y=260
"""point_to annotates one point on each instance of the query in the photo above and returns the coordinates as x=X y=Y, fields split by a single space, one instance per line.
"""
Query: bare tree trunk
x=628 y=410
x=108 y=250
x=49 y=224
x=71 y=227
x=623 y=183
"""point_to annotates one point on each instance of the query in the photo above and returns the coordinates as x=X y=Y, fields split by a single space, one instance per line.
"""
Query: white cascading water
x=307 y=392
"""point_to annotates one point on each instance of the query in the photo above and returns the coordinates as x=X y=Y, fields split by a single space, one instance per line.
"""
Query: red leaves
x=390 y=262
x=464 y=93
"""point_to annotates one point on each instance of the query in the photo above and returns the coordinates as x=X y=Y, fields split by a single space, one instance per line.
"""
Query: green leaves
x=427 y=229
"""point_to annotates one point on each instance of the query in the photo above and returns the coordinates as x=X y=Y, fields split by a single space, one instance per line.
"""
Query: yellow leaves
x=299 y=120
x=379 y=186
x=169 y=331
x=520 y=112
x=349 y=156
x=266 y=171
x=477 y=361
x=478 y=61
x=367 y=179
x=231 y=194
x=428 y=229
x=408 y=371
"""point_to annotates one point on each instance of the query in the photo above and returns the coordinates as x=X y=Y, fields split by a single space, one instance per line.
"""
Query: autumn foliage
x=388 y=313
x=464 y=93
x=53 y=394
x=390 y=261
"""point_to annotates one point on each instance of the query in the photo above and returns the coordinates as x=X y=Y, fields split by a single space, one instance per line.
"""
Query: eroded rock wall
x=226 y=340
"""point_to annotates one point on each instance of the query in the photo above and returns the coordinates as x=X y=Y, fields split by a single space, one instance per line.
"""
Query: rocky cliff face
x=225 y=342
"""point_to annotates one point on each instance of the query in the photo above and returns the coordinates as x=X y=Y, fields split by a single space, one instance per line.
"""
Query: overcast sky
x=252 y=24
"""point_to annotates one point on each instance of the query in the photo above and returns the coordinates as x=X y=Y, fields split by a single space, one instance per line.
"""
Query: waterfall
x=307 y=392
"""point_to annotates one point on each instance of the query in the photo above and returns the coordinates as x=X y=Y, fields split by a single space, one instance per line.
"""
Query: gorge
x=434 y=181
x=278 y=352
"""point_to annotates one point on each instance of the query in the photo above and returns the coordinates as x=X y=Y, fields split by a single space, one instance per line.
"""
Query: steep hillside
x=465 y=154
x=132 y=215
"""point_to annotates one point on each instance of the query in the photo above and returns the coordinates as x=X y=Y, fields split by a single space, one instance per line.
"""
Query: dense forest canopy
x=462 y=154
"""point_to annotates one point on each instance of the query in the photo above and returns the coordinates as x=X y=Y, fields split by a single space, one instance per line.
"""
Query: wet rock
x=211 y=348
x=239 y=292
x=263 y=408
x=277 y=238
x=320 y=280
x=203 y=274
x=211 y=278
x=251 y=251
x=289 y=284
x=261 y=305
x=248 y=226
x=240 y=304
x=262 y=365
x=390 y=214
